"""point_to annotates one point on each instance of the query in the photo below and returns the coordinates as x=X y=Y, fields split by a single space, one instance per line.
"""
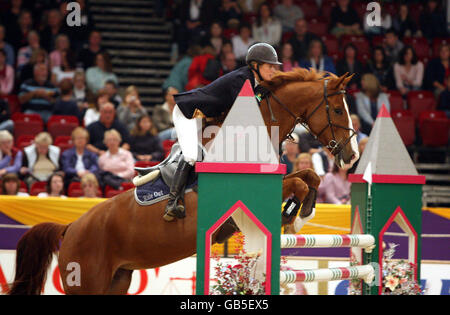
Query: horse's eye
x=338 y=111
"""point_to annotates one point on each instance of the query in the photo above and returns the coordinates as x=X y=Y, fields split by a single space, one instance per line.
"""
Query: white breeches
x=188 y=133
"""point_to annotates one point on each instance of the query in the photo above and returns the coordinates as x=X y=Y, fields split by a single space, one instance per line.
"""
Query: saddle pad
x=156 y=191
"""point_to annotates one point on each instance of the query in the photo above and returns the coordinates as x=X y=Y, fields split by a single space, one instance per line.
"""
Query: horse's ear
x=337 y=84
x=347 y=79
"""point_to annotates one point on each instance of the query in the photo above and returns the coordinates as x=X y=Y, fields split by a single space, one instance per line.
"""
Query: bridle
x=334 y=146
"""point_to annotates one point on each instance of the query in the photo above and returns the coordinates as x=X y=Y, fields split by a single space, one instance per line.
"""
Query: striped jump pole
x=365 y=241
x=365 y=272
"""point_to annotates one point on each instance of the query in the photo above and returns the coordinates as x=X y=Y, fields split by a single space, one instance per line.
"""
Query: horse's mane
x=298 y=74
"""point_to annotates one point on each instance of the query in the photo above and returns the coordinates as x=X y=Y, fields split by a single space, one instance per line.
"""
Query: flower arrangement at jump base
x=238 y=279
x=398 y=276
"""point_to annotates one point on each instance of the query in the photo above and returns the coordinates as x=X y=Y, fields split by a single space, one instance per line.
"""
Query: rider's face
x=267 y=71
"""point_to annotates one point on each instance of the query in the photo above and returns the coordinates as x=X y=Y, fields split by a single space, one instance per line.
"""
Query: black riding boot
x=173 y=209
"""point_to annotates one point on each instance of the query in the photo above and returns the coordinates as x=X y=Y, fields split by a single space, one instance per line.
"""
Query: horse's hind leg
x=120 y=282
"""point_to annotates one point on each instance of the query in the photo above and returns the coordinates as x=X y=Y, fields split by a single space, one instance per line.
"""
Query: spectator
x=5 y=116
x=216 y=38
x=386 y=23
x=11 y=186
x=308 y=143
x=250 y=6
x=301 y=39
x=437 y=70
x=10 y=157
x=242 y=42
x=356 y=122
x=10 y=16
x=97 y=76
x=79 y=35
x=335 y=188
x=62 y=44
x=162 y=116
x=316 y=59
x=178 y=77
x=228 y=63
x=444 y=100
x=288 y=58
x=204 y=69
x=403 y=24
x=408 y=71
x=323 y=162
x=111 y=89
x=107 y=121
x=432 y=20
x=267 y=29
x=40 y=159
x=52 y=30
x=351 y=65
x=369 y=101
x=66 y=104
x=392 y=45
x=87 y=55
x=37 y=95
x=6 y=75
x=287 y=13
x=303 y=162
x=93 y=113
x=89 y=185
x=78 y=161
x=80 y=91
x=39 y=55
x=18 y=35
x=7 y=48
x=230 y=13
x=144 y=142
x=116 y=160
x=67 y=68
x=25 y=53
x=290 y=153
x=344 y=20
x=130 y=110
x=55 y=186
x=380 y=66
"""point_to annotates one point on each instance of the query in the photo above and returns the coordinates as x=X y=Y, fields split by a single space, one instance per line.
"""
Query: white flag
x=368 y=173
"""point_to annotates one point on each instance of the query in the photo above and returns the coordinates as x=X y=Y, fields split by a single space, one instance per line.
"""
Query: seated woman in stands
x=11 y=186
x=97 y=76
x=131 y=109
x=408 y=71
x=335 y=188
x=40 y=159
x=89 y=185
x=144 y=142
x=316 y=59
x=55 y=186
x=10 y=157
x=303 y=162
x=92 y=114
x=116 y=160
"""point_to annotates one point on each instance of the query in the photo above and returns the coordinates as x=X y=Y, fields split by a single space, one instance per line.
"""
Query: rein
x=334 y=146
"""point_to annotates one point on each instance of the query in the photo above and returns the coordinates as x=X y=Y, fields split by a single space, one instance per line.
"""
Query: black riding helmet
x=261 y=53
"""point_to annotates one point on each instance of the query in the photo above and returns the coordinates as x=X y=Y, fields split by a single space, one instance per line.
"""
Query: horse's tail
x=34 y=255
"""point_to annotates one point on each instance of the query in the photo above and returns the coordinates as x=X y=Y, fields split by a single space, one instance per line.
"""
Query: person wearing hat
x=212 y=100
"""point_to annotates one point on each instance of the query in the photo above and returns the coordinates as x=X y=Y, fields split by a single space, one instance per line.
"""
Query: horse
x=118 y=235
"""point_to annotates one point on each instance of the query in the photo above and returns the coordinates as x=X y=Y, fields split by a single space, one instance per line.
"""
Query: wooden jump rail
x=365 y=241
x=365 y=272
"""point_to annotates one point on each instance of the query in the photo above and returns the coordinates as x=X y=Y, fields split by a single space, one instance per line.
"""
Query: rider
x=213 y=100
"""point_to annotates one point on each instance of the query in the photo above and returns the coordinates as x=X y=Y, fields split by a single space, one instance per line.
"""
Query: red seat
x=437 y=42
x=360 y=41
x=111 y=192
x=146 y=163
x=360 y=8
x=75 y=190
x=24 y=141
x=286 y=36
x=404 y=121
x=318 y=26
x=396 y=100
x=419 y=101
x=23 y=187
x=327 y=7
x=228 y=33
x=378 y=40
x=64 y=142
x=27 y=124
x=13 y=102
x=420 y=46
x=431 y=114
x=331 y=43
x=433 y=128
x=60 y=125
x=309 y=8
x=415 y=9
x=38 y=187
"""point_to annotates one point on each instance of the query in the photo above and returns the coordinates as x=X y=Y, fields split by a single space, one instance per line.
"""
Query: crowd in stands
x=65 y=129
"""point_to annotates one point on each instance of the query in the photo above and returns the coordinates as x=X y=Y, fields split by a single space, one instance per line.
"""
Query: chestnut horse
x=118 y=235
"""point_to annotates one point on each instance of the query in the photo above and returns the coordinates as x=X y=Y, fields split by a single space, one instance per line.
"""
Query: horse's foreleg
x=309 y=177
x=299 y=189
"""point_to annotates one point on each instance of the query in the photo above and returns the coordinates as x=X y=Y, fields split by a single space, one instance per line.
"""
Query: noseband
x=334 y=146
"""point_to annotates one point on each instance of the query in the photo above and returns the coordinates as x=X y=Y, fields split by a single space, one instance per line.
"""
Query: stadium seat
x=318 y=26
x=145 y=163
x=360 y=8
x=396 y=100
x=61 y=125
x=327 y=7
x=419 y=101
x=433 y=128
x=438 y=42
x=420 y=45
x=75 y=190
x=404 y=121
x=228 y=33
x=64 y=142
x=360 y=41
x=27 y=124
x=431 y=114
x=415 y=9
x=167 y=145
x=38 y=187
x=23 y=187
x=13 y=102
x=24 y=141
x=286 y=36
x=111 y=192
x=331 y=43
x=378 y=40
x=309 y=8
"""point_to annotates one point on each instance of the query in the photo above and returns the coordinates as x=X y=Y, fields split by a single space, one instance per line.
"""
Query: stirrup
x=177 y=212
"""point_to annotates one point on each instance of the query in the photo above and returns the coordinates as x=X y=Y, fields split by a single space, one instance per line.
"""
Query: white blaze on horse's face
x=353 y=141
